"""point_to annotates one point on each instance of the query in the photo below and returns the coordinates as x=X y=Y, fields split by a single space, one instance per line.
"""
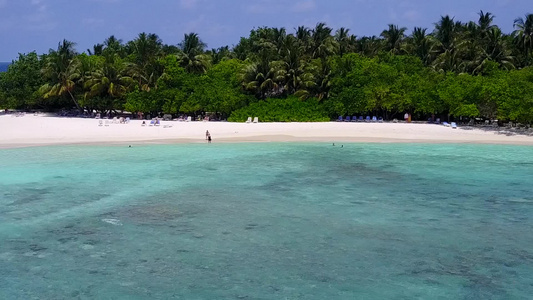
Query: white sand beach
x=40 y=130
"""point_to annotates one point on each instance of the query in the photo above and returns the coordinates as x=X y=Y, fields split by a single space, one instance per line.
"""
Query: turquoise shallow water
x=267 y=221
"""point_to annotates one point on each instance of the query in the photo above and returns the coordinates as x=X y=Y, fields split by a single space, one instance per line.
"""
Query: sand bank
x=41 y=130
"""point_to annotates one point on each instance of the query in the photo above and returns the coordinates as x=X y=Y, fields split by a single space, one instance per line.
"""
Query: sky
x=38 y=25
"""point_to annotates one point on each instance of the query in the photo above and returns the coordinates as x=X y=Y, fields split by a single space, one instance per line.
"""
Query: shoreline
x=264 y=139
x=36 y=131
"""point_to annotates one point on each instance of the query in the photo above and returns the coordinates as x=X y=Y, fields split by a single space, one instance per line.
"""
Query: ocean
x=267 y=221
x=4 y=66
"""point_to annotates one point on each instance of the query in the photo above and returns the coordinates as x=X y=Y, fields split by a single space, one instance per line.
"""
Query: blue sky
x=37 y=25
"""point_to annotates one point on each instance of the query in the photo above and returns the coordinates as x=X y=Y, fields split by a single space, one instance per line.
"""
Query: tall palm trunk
x=75 y=102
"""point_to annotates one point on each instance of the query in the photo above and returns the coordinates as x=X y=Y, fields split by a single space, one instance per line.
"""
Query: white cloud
x=188 y=4
x=304 y=6
x=265 y=7
x=411 y=15
x=38 y=18
x=92 y=22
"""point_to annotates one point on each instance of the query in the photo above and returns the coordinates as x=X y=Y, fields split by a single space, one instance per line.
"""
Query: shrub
x=290 y=109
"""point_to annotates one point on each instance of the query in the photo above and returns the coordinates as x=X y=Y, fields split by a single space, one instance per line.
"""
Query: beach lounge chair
x=374 y=119
x=367 y=119
x=437 y=121
x=380 y=120
x=152 y=122
x=347 y=119
x=339 y=119
x=189 y=119
x=249 y=120
x=354 y=119
x=115 y=120
x=127 y=120
x=361 y=119
x=454 y=125
x=446 y=124
x=256 y=120
x=157 y=122
x=100 y=123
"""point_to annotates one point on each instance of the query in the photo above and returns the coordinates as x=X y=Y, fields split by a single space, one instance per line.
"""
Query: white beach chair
x=249 y=120
x=189 y=118
x=256 y=120
x=100 y=123
x=454 y=125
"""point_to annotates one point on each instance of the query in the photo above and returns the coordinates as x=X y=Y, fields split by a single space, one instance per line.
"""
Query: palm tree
x=114 y=45
x=259 y=76
x=61 y=69
x=485 y=22
x=278 y=38
x=267 y=41
x=259 y=79
x=447 y=61
x=322 y=43
x=422 y=45
x=220 y=54
x=369 y=46
x=322 y=76
x=524 y=33
x=344 y=40
x=192 y=56
x=292 y=73
x=98 y=49
x=145 y=50
x=393 y=38
x=109 y=81
x=303 y=36
x=445 y=32
x=496 y=51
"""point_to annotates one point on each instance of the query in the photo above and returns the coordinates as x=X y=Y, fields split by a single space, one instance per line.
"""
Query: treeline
x=458 y=69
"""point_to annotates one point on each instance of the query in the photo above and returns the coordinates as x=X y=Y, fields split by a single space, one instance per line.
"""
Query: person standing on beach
x=207 y=134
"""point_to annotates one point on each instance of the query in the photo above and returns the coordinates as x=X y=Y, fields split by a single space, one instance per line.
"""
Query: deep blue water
x=4 y=66
x=267 y=221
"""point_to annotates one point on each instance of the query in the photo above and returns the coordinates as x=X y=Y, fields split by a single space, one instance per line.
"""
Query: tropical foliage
x=453 y=70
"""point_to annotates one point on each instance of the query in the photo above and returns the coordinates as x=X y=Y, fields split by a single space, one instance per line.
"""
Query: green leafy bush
x=290 y=109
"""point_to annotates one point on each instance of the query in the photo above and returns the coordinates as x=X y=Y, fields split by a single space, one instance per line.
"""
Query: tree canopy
x=455 y=69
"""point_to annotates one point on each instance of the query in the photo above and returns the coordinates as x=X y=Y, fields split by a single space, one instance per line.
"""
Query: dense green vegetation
x=458 y=69
x=290 y=109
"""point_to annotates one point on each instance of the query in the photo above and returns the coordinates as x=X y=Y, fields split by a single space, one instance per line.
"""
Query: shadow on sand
x=508 y=131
